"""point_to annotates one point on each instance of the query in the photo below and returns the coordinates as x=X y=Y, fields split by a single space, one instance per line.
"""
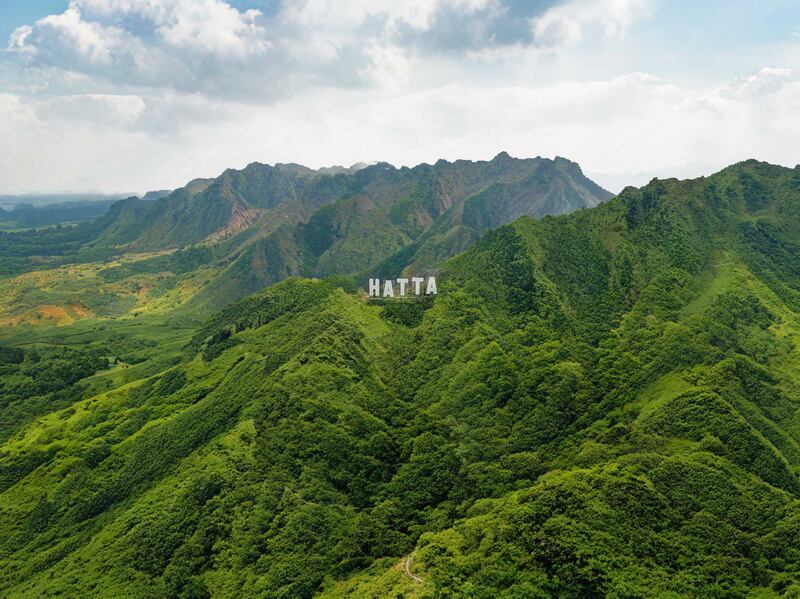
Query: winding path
x=407 y=569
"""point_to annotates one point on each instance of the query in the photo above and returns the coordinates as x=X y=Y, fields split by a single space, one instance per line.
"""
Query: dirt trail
x=407 y=569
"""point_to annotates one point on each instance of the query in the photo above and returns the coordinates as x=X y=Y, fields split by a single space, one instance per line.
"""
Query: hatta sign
x=402 y=287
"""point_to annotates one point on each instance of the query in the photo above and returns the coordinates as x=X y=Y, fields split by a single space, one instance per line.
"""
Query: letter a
x=374 y=287
x=431 y=289
x=388 y=290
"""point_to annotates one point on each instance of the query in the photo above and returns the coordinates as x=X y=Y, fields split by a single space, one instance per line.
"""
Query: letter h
x=374 y=287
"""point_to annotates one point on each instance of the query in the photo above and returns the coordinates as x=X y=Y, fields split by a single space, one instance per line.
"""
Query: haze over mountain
x=43 y=199
x=603 y=403
x=39 y=210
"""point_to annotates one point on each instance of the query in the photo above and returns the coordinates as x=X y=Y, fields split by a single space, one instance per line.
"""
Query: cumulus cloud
x=97 y=28
x=211 y=47
x=570 y=22
x=146 y=43
x=208 y=26
x=18 y=40
x=349 y=16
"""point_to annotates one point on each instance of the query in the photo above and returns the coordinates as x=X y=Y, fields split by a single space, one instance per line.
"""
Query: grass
x=69 y=293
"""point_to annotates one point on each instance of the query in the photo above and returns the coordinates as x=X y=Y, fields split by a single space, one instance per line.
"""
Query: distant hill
x=31 y=211
x=156 y=195
x=26 y=216
x=42 y=199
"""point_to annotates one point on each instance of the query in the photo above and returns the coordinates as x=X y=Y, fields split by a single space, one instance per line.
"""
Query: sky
x=134 y=95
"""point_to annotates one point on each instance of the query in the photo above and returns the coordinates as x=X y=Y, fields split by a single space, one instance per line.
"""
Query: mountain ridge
x=217 y=239
x=264 y=187
x=398 y=207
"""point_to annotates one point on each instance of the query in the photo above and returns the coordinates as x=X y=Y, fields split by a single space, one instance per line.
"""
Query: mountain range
x=257 y=226
x=599 y=403
x=410 y=199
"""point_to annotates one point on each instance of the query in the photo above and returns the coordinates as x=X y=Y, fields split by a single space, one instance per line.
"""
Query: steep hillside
x=209 y=209
x=600 y=404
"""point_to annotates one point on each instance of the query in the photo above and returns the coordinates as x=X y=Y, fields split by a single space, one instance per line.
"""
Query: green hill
x=27 y=216
x=605 y=403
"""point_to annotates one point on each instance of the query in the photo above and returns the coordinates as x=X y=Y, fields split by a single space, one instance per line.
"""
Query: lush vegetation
x=22 y=251
x=600 y=404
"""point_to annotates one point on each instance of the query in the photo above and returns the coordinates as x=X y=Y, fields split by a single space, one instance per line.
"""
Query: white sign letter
x=374 y=287
x=388 y=290
x=402 y=283
x=417 y=282
x=431 y=290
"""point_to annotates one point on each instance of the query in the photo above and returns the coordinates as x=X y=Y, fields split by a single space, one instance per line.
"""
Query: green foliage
x=11 y=355
x=602 y=404
x=21 y=251
x=37 y=384
x=773 y=256
x=178 y=262
x=408 y=313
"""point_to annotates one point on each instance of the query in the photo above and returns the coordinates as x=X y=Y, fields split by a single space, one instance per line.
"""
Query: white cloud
x=92 y=41
x=334 y=15
x=570 y=23
x=185 y=44
x=17 y=41
x=622 y=131
x=138 y=94
x=210 y=26
x=767 y=81
x=209 y=46
x=94 y=110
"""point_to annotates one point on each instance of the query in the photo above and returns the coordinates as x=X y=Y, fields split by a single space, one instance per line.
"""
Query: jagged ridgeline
x=598 y=404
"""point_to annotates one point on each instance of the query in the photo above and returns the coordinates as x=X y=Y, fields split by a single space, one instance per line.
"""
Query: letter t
x=417 y=282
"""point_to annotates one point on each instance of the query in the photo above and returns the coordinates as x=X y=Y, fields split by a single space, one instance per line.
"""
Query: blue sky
x=14 y=13
x=129 y=95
